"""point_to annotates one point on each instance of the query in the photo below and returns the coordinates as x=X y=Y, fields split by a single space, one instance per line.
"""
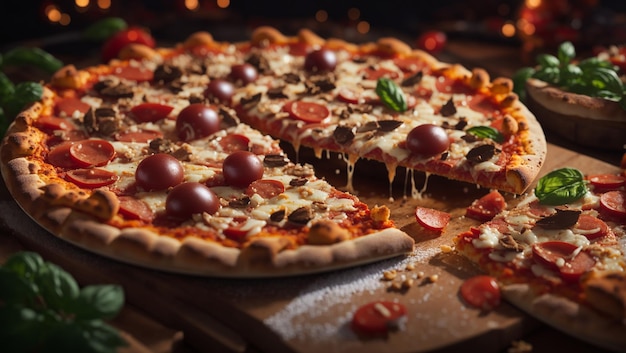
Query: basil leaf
x=594 y=62
x=566 y=53
x=25 y=94
x=26 y=264
x=36 y=57
x=57 y=287
x=99 y=301
x=7 y=88
x=486 y=132
x=104 y=28
x=21 y=328
x=548 y=60
x=390 y=94
x=15 y=289
x=569 y=74
x=548 y=74
x=605 y=79
x=561 y=186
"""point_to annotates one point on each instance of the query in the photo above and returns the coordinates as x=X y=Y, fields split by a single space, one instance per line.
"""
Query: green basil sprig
x=390 y=94
x=33 y=57
x=42 y=309
x=592 y=76
x=104 y=28
x=486 y=132
x=561 y=186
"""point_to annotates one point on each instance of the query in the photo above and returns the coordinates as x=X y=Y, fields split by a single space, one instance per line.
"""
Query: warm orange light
x=52 y=13
x=65 y=19
x=354 y=13
x=104 y=4
x=191 y=5
x=533 y=4
x=321 y=15
x=508 y=30
x=363 y=27
x=222 y=4
x=81 y=3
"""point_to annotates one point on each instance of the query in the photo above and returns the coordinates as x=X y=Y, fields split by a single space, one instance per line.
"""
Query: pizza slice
x=557 y=253
x=386 y=102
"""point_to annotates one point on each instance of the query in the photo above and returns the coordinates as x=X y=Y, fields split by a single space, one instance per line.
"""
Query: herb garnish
x=486 y=132
x=42 y=309
x=592 y=76
x=390 y=94
x=561 y=186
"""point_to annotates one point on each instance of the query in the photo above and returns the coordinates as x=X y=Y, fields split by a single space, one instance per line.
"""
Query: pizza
x=556 y=252
x=170 y=157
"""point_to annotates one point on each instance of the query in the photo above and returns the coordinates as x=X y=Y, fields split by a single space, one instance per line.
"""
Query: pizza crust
x=568 y=316
x=590 y=121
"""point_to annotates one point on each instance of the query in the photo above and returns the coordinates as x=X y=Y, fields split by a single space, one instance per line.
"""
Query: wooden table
x=309 y=314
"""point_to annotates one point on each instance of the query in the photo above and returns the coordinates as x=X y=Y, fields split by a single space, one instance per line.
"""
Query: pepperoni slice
x=89 y=153
x=614 y=204
x=141 y=136
x=67 y=135
x=561 y=256
x=481 y=292
x=133 y=208
x=374 y=74
x=410 y=64
x=266 y=188
x=68 y=106
x=234 y=142
x=431 y=218
x=451 y=85
x=133 y=73
x=486 y=207
x=483 y=104
x=60 y=157
x=591 y=227
x=607 y=182
x=378 y=318
x=150 y=112
x=52 y=123
x=91 y=177
x=309 y=112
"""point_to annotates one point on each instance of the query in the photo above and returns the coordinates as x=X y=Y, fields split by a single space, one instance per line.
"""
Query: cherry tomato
x=607 y=182
x=196 y=121
x=266 y=188
x=119 y=40
x=221 y=90
x=309 y=112
x=242 y=74
x=431 y=218
x=241 y=168
x=235 y=233
x=159 y=172
x=427 y=140
x=68 y=106
x=91 y=177
x=89 y=153
x=150 y=112
x=481 y=291
x=190 y=198
x=320 y=60
x=234 y=142
x=592 y=227
x=486 y=207
x=432 y=41
x=133 y=208
x=614 y=203
x=552 y=253
x=378 y=318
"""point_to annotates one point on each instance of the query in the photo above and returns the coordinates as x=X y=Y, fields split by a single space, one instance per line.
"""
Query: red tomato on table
x=119 y=40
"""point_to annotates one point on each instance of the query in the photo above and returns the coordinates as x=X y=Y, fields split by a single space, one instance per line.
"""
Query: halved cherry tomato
x=113 y=45
x=486 y=207
x=607 y=182
x=235 y=233
x=551 y=253
x=614 y=204
x=89 y=153
x=481 y=292
x=309 y=112
x=138 y=136
x=150 y=112
x=378 y=317
x=70 y=105
x=592 y=227
x=234 y=142
x=134 y=208
x=266 y=188
x=133 y=73
x=431 y=218
x=91 y=177
x=52 y=123
x=60 y=157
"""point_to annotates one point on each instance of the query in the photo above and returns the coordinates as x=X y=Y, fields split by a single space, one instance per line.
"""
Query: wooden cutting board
x=312 y=313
